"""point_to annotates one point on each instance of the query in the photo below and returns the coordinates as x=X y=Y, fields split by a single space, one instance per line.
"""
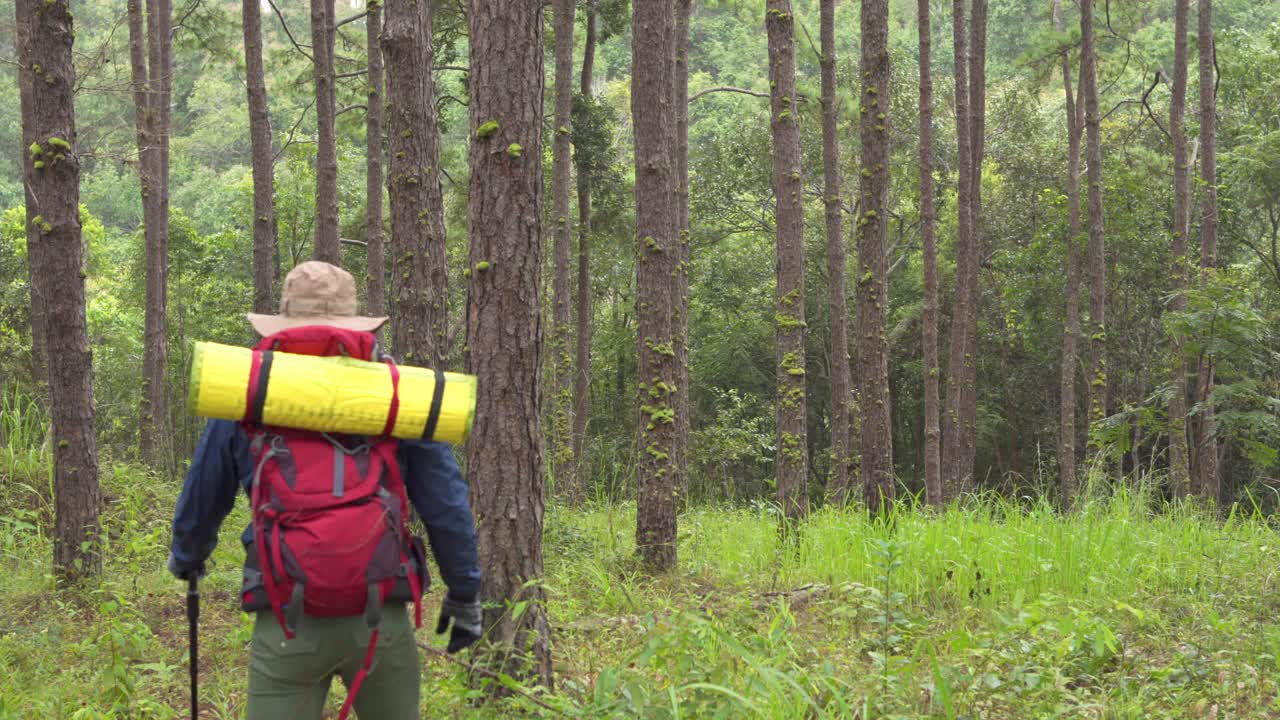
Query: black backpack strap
x=253 y=413
x=437 y=399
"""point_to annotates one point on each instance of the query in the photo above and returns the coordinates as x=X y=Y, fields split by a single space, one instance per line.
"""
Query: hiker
x=360 y=633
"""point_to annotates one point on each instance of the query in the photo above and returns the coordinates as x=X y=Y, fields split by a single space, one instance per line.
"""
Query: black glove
x=185 y=574
x=467 y=622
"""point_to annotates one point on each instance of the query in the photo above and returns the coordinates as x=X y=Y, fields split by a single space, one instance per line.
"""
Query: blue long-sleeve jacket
x=222 y=466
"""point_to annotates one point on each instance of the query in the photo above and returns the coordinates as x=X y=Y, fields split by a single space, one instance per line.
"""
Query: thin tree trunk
x=1207 y=476
x=657 y=257
x=977 y=149
x=873 y=268
x=961 y=354
x=680 y=103
x=375 y=250
x=264 y=212
x=1179 y=455
x=582 y=374
x=148 y=72
x=932 y=434
x=791 y=460
x=327 y=246
x=39 y=342
x=504 y=333
x=1097 y=251
x=841 y=450
x=52 y=177
x=1071 y=325
x=561 y=460
x=419 y=282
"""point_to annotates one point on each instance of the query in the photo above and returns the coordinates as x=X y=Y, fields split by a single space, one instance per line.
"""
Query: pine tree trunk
x=961 y=354
x=1069 y=486
x=149 y=75
x=504 y=319
x=1097 y=253
x=932 y=434
x=52 y=177
x=841 y=451
x=419 y=282
x=264 y=212
x=680 y=103
x=873 y=268
x=657 y=258
x=1207 y=476
x=791 y=461
x=561 y=321
x=39 y=342
x=327 y=246
x=375 y=250
x=582 y=374
x=1179 y=467
x=977 y=149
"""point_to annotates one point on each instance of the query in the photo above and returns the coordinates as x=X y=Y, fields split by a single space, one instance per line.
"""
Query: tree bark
x=327 y=246
x=582 y=374
x=52 y=178
x=873 y=268
x=977 y=149
x=376 y=257
x=657 y=258
x=961 y=353
x=1179 y=455
x=1207 y=476
x=1071 y=330
x=264 y=212
x=561 y=327
x=841 y=394
x=419 y=282
x=504 y=333
x=680 y=103
x=1097 y=251
x=791 y=459
x=39 y=342
x=150 y=76
x=932 y=434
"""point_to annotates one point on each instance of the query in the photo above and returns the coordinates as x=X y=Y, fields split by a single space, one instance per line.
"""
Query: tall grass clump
x=24 y=429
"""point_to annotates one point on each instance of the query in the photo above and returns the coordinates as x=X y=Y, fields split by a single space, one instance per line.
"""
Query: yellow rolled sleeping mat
x=330 y=394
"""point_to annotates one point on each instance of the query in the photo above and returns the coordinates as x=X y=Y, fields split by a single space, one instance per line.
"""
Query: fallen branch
x=485 y=672
x=796 y=598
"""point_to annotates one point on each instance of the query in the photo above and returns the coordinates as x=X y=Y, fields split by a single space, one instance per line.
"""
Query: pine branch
x=727 y=88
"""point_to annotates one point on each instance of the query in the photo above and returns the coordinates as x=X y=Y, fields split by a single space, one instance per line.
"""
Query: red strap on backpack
x=367 y=667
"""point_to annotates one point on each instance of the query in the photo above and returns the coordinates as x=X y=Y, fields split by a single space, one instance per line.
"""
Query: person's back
x=330 y=563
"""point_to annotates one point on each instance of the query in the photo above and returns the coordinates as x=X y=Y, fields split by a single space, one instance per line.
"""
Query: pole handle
x=193 y=636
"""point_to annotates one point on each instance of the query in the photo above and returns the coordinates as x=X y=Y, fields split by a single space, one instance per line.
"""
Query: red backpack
x=330 y=512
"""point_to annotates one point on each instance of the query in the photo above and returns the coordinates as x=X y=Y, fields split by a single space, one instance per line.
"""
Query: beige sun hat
x=316 y=293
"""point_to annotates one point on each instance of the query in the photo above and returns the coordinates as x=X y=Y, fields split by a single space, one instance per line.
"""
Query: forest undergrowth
x=993 y=608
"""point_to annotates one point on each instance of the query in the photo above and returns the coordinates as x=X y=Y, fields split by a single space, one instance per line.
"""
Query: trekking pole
x=193 y=616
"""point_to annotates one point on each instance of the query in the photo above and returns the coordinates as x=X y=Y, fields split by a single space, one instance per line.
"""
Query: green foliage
x=1006 y=610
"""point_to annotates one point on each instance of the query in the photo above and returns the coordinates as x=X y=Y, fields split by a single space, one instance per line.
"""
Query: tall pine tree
x=791 y=466
x=51 y=174
x=504 y=327
x=878 y=479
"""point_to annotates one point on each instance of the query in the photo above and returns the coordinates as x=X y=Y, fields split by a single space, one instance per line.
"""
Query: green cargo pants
x=289 y=679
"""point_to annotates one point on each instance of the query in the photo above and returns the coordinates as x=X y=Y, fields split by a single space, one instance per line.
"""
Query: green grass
x=991 y=609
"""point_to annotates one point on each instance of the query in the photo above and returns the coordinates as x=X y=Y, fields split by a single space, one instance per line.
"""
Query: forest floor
x=993 y=610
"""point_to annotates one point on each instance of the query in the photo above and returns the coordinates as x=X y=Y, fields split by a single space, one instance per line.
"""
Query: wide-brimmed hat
x=316 y=293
